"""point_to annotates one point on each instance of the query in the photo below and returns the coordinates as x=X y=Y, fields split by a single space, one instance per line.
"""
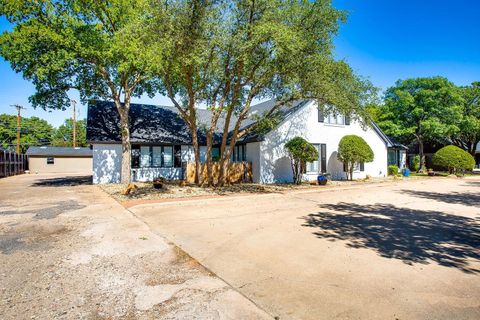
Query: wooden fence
x=238 y=172
x=12 y=163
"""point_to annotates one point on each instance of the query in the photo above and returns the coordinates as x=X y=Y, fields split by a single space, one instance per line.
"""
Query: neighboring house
x=161 y=142
x=59 y=160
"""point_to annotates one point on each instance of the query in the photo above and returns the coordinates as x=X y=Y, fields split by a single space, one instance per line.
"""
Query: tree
x=352 y=150
x=421 y=109
x=63 y=135
x=33 y=132
x=95 y=47
x=453 y=158
x=300 y=152
x=468 y=135
x=225 y=54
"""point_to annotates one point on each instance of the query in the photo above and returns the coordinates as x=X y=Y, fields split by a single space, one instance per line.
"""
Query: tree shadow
x=413 y=236
x=468 y=199
x=64 y=181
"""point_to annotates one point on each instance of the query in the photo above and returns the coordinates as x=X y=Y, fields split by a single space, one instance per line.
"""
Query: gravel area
x=172 y=190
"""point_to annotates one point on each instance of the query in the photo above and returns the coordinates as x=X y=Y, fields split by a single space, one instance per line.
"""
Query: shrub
x=416 y=163
x=353 y=149
x=300 y=151
x=393 y=170
x=453 y=158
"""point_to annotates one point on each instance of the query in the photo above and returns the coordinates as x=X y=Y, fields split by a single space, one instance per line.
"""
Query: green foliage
x=34 y=131
x=63 y=135
x=453 y=158
x=421 y=109
x=416 y=163
x=226 y=54
x=300 y=151
x=393 y=170
x=353 y=149
x=468 y=135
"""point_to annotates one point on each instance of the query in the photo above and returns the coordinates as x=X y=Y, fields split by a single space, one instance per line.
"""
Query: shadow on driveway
x=401 y=233
x=465 y=198
x=64 y=181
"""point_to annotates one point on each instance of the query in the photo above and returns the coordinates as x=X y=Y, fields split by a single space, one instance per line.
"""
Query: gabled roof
x=59 y=151
x=163 y=124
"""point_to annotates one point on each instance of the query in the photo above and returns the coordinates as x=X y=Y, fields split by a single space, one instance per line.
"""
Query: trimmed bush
x=453 y=158
x=300 y=151
x=393 y=170
x=353 y=149
x=416 y=163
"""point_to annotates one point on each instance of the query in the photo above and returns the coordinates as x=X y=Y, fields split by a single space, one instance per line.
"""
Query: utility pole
x=19 y=107
x=74 y=120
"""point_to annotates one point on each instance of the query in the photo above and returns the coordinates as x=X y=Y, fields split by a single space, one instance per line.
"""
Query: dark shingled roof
x=59 y=151
x=163 y=124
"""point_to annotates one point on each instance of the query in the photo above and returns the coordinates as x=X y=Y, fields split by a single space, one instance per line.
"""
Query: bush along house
x=161 y=143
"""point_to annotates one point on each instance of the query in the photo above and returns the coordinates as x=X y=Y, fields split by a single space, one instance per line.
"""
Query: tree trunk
x=351 y=171
x=422 y=155
x=196 y=151
x=210 y=180
x=126 y=146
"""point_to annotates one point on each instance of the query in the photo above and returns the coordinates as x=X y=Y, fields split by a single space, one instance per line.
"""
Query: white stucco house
x=161 y=143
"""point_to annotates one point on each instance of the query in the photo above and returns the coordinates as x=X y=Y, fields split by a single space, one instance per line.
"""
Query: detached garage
x=59 y=160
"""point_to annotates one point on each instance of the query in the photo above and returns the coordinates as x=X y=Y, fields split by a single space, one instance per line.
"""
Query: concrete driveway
x=69 y=251
x=406 y=250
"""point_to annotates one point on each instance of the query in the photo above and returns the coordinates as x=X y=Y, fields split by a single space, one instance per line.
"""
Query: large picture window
x=156 y=156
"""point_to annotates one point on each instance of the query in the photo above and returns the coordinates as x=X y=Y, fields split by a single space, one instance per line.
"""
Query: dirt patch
x=48 y=212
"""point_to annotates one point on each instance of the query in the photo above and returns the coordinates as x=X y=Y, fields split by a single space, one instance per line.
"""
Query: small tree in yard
x=353 y=149
x=300 y=151
x=454 y=159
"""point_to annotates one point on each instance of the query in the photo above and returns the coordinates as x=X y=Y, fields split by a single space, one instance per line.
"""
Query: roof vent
x=43 y=147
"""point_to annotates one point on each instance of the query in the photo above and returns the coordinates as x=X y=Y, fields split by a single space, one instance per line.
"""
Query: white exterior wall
x=274 y=161
x=107 y=163
x=253 y=155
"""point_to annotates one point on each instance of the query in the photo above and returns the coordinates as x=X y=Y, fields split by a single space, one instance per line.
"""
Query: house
x=161 y=142
x=59 y=160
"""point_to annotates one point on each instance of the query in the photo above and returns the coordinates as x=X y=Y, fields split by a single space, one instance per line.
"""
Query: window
x=335 y=119
x=50 y=160
x=358 y=166
x=167 y=156
x=156 y=156
x=215 y=153
x=239 y=153
x=319 y=165
x=145 y=157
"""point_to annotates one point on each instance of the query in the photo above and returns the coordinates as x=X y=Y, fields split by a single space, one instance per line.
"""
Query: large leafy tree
x=95 y=47
x=225 y=54
x=421 y=109
x=468 y=135
x=353 y=150
x=63 y=135
x=33 y=132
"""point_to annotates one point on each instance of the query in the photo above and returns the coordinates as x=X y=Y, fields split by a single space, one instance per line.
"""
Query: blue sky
x=384 y=40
